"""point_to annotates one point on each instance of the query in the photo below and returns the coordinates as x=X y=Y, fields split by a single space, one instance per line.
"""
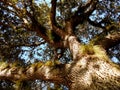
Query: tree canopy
x=38 y=34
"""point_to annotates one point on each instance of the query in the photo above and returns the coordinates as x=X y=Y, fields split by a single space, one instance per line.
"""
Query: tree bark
x=91 y=73
x=90 y=70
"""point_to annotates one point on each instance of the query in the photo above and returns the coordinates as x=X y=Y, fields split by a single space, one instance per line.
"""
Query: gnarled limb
x=110 y=37
x=87 y=11
x=110 y=40
x=44 y=71
x=55 y=28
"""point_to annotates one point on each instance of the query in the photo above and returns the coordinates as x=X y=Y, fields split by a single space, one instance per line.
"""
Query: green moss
x=100 y=52
x=94 y=50
x=15 y=64
x=3 y=65
x=49 y=63
x=52 y=63
x=87 y=49
x=17 y=85
x=39 y=64
x=50 y=36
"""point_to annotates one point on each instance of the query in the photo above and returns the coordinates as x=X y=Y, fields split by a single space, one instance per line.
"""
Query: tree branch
x=83 y=12
x=95 y=23
x=96 y=67
x=44 y=71
x=91 y=8
x=57 y=29
x=36 y=26
x=81 y=9
x=109 y=37
x=53 y=13
x=42 y=31
x=110 y=40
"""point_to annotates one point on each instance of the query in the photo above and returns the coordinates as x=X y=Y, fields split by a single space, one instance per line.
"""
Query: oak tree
x=72 y=43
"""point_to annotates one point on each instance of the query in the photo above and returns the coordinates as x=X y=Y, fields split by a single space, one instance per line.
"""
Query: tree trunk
x=93 y=73
x=91 y=69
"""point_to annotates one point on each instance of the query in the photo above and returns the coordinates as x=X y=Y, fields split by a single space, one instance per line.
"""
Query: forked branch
x=84 y=12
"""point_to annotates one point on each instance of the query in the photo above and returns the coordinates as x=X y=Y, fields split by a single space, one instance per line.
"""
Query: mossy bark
x=91 y=69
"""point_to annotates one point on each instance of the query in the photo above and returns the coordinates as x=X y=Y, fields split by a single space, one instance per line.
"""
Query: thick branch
x=83 y=12
x=44 y=71
x=53 y=12
x=80 y=16
x=72 y=43
x=110 y=36
x=42 y=31
x=57 y=29
x=110 y=40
